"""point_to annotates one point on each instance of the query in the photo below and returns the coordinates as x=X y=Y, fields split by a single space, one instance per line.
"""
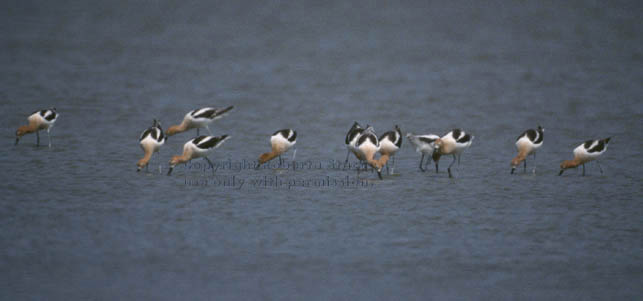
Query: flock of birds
x=362 y=142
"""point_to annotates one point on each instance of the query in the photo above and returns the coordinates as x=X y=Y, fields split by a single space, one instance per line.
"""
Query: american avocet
x=527 y=143
x=38 y=120
x=588 y=151
x=199 y=118
x=281 y=141
x=425 y=144
x=367 y=145
x=151 y=141
x=198 y=147
x=390 y=143
x=351 y=139
x=453 y=143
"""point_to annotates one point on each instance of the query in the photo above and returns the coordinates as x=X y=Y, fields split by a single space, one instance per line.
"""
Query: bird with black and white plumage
x=280 y=142
x=453 y=143
x=527 y=143
x=351 y=139
x=390 y=143
x=590 y=150
x=38 y=120
x=151 y=141
x=198 y=147
x=199 y=118
x=367 y=146
x=425 y=144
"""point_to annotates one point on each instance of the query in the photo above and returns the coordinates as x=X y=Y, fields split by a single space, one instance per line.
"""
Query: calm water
x=77 y=221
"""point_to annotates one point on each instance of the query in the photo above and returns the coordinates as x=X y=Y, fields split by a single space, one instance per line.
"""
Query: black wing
x=286 y=133
x=426 y=140
x=370 y=137
x=211 y=142
x=203 y=113
x=464 y=139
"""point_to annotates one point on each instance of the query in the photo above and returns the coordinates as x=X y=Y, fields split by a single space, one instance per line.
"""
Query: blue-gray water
x=77 y=221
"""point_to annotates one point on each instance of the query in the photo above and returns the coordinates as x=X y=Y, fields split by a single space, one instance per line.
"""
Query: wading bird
x=390 y=143
x=38 y=120
x=151 y=141
x=453 y=143
x=367 y=146
x=351 y=139
x=425 y=144
x=281 y=141
x=198 y=147
x=199 y=118
x=527 y=143
x=586 y=152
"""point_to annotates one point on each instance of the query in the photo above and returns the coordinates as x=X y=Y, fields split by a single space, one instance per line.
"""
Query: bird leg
x=421 y=159
x=599 y=166
x=348 y=152
x=210 y=162
x=449 y=169
x=49 y=137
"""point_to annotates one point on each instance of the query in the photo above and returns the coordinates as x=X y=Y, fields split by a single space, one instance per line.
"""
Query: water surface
x=79 y=223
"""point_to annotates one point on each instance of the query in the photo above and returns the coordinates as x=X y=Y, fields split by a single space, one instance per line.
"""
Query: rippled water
x=79 y=223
